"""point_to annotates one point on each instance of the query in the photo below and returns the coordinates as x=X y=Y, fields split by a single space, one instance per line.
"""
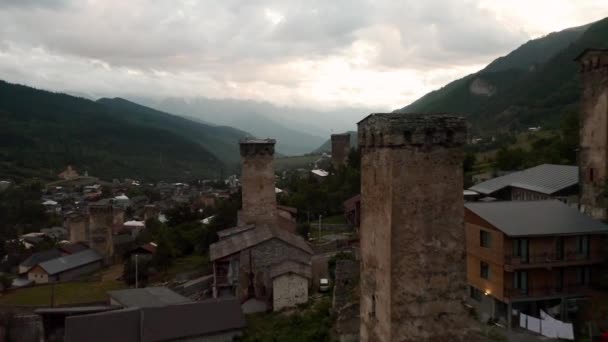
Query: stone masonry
x=101 y=221
x=593 y=155
x=340 y=148
x=413 y=279
x=258 y=183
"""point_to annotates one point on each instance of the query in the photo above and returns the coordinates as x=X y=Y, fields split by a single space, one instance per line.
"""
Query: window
x=484 y=270
x=485 y=239
x=559 y=248
x=475 y=293
x=582 y=245
x=520 y=249
x=559 y=279
x=591 y=174
x=520 y=281
x=583 y=275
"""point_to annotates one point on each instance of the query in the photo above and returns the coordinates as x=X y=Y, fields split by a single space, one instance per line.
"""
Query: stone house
x=290 y=283
x=242 y=262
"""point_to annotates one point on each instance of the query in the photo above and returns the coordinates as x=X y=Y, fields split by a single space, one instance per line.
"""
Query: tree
x=165 y=251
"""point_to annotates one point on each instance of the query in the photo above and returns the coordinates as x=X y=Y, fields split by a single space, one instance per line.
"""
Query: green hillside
x=536 y=84
x=42 y=132
x=222 y=141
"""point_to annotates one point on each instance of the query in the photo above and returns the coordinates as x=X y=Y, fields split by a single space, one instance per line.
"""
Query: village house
x=546 y=181
x=64 y=268
x=522 y=255
x=242 y=262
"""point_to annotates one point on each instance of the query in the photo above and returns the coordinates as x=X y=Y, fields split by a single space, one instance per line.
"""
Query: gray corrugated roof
x=164 y=323
x=71 y=261
x=147 y=297
x=526 y=218
x=182 y=321
x=250 y=238
x=545 y=178
x=39 y=257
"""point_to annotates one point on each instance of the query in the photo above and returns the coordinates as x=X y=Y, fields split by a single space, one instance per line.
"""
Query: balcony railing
x=548 y=291
x=552 y=258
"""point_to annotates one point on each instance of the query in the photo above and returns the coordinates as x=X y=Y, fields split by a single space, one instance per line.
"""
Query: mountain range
x=42 y=132
x=535 y=85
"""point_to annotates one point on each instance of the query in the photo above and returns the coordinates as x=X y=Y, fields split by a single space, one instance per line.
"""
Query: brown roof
x=290 y=266
x=250 y=238
x=74 y=247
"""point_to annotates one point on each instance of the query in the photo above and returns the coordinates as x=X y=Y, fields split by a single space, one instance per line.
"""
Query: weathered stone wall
x=289 y=290
x=593 y=152
x=78 y=228
x=101 y=221
x=264 y=256
x=413 y=279
x=340 y=148
x=258 y=183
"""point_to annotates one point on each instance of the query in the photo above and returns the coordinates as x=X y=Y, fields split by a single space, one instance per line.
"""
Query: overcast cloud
x=315 y=53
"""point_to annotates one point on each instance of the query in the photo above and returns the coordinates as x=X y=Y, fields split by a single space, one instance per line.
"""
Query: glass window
x=520 y=281
x=520 y=249
x=484 y=270
x=485 y=239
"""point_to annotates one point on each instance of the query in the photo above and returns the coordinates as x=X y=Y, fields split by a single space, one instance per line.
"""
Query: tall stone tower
x=593 y=154
x=258 y=182
x=101 y=222
x=340 y=147
x=413 y=272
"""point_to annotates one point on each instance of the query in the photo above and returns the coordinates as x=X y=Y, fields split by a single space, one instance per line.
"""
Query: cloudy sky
x=314 y=53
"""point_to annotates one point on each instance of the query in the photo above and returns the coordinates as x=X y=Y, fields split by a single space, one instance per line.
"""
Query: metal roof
x=530 y=218
x=238 y=242
x=161 y=323
x=71 y=261
x=545 y=178
x=39 y=257
x=147 y=297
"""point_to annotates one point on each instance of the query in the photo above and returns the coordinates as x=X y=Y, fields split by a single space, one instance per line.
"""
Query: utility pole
x=136 y=273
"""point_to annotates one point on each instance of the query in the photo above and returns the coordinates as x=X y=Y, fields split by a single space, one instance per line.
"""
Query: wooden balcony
x=551 y=260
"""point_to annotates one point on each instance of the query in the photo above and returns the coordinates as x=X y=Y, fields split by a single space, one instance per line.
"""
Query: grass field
x=65 y=293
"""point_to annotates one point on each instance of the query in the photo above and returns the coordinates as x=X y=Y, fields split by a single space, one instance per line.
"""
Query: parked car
x=323 y=285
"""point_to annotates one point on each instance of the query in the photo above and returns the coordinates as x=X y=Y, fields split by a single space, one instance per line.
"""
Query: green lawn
x=65 y=293
x=190 y=263
x=336 y=219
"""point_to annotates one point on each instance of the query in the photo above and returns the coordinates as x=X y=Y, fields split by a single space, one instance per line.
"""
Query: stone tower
x=101 y=222
x=593 y=153
x=258 y=182
x=340 y=148
x=413 y=270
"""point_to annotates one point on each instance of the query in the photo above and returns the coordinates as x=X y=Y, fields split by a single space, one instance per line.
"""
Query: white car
x=323 y=285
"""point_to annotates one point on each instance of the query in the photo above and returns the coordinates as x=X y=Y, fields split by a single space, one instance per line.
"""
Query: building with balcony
x=530 y=255
x=546 y=181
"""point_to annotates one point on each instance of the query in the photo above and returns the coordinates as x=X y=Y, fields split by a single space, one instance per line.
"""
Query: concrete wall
x=413 y=278
x=38 y=275
x=258 y=183
x=594 y=134
x=289 y=290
